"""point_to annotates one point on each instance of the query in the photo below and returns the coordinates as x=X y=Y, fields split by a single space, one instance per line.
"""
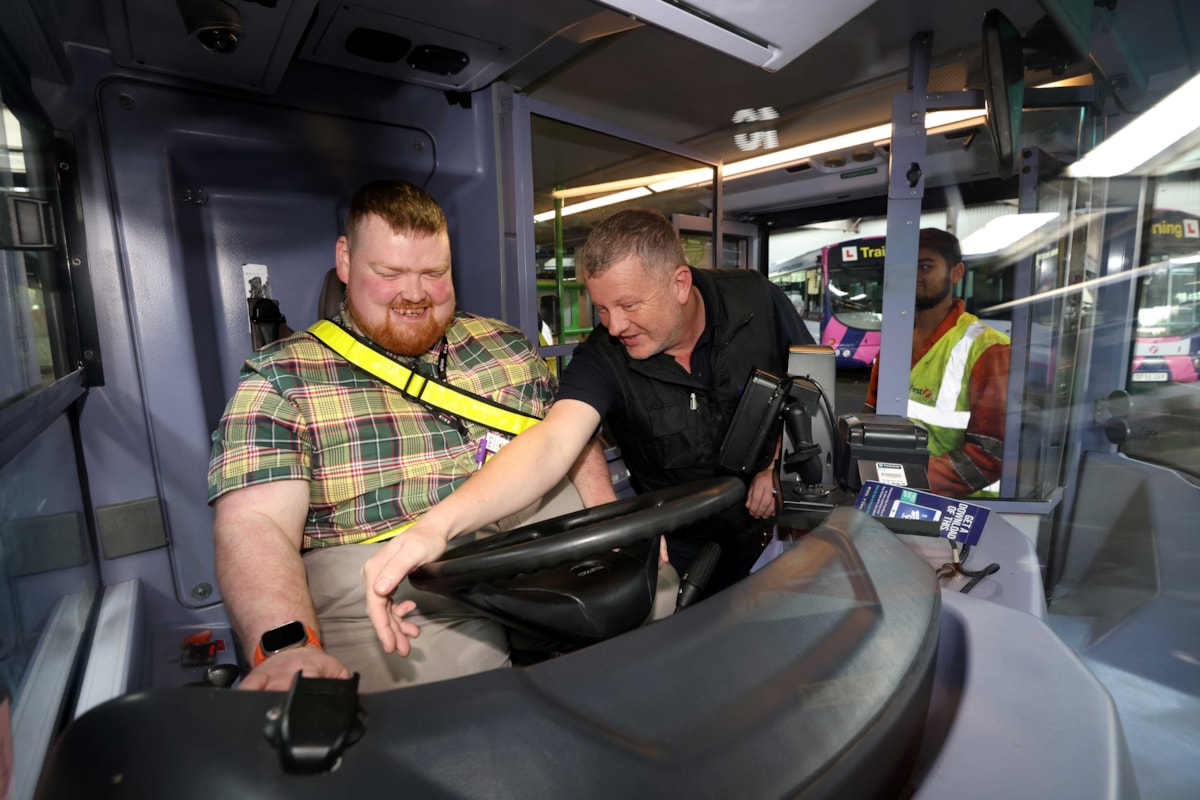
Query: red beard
x=406 y=339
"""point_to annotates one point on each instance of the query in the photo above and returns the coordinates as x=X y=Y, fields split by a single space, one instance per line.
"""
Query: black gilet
x=671 y=427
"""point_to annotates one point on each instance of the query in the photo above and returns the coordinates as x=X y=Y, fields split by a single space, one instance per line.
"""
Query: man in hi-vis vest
x=959 y=381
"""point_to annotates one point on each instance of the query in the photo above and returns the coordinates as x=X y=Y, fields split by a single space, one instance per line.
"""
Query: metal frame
x=520 y=269
x=84 y=345
x=21 y=421
x=26 y=419
x=906 y=190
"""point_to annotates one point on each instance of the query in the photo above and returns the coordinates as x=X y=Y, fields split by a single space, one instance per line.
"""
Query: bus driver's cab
x=172 y=176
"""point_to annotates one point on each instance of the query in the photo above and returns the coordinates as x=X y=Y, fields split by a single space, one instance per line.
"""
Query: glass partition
x=581 y=176
x=32 y=353
x=834 y=276
x=1164 y=394
x=45 y=554
x=48 y=573
x=48 y=581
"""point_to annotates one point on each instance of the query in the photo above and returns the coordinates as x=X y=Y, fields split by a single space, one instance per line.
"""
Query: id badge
x=489 y=445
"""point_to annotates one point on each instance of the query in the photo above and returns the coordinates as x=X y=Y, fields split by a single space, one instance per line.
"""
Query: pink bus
x=852 y=313
x=1167 y=346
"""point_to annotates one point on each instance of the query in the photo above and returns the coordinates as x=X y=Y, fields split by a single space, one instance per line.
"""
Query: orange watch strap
x=259 y=656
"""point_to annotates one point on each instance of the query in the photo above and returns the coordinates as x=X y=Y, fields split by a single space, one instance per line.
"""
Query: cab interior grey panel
x=204 y=186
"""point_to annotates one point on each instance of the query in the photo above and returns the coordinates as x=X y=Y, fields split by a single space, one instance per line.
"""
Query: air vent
x=436 y=56
x=438 y=60
x=803 y=165
x=381 y=46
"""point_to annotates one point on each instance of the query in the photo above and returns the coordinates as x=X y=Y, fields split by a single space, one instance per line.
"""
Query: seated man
x=315 y=460
x=958 y=389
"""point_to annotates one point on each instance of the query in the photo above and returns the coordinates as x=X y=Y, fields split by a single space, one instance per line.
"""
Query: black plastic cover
x=749 y=443
x=810 y=678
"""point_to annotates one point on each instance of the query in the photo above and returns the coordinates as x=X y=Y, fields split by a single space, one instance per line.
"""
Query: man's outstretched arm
x=523 y=471
x=591 y=477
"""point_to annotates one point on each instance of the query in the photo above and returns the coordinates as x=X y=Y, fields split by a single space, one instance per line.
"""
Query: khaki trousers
x=455 y=639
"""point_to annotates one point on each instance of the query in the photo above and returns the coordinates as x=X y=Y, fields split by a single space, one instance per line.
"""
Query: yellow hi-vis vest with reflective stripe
x=428 y=391
x=938 y=399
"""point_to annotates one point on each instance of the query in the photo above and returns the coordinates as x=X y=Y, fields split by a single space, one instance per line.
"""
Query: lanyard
x=443 y=416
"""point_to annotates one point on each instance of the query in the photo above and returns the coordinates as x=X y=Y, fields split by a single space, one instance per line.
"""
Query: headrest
x=332 y=291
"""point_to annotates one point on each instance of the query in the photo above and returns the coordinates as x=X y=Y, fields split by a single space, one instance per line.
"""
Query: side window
x=1166 y=350
x=48 y=573
x=32 y=350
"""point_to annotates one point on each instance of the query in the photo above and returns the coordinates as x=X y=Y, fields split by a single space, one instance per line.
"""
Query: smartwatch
x=285 y=637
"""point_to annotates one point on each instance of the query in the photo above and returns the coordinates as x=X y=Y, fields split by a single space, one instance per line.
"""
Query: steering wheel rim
x=574 y=536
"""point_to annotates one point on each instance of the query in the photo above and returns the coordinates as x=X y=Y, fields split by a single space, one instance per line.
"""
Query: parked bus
x=852 y=305
x=1167 y=347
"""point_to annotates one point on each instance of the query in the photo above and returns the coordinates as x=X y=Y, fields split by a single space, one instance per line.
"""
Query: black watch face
x=283 y=637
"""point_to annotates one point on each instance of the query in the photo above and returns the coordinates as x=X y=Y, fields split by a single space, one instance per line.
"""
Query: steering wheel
x=575 y=536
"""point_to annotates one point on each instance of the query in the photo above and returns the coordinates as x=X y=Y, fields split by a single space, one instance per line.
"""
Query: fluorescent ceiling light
x=879 y=133
x=587 y=205
x=665 y=182
x=1079 y=80
x=630 y=183
x=692 y=177
x=1003 y=232
x=1144 y=137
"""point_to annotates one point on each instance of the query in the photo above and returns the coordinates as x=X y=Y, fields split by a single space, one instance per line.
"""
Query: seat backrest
x=332 y=291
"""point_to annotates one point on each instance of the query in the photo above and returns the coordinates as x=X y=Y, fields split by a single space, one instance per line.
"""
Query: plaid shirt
x=373 y=459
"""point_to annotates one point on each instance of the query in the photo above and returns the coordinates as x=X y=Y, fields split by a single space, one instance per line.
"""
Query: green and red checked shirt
x=373 y=459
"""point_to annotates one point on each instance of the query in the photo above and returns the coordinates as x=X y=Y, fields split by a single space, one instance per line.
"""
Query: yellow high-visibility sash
x=428 y=391
x=383 y=537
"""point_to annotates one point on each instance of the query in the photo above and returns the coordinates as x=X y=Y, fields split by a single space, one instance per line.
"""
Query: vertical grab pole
x=559 y=255
x=906 y=189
